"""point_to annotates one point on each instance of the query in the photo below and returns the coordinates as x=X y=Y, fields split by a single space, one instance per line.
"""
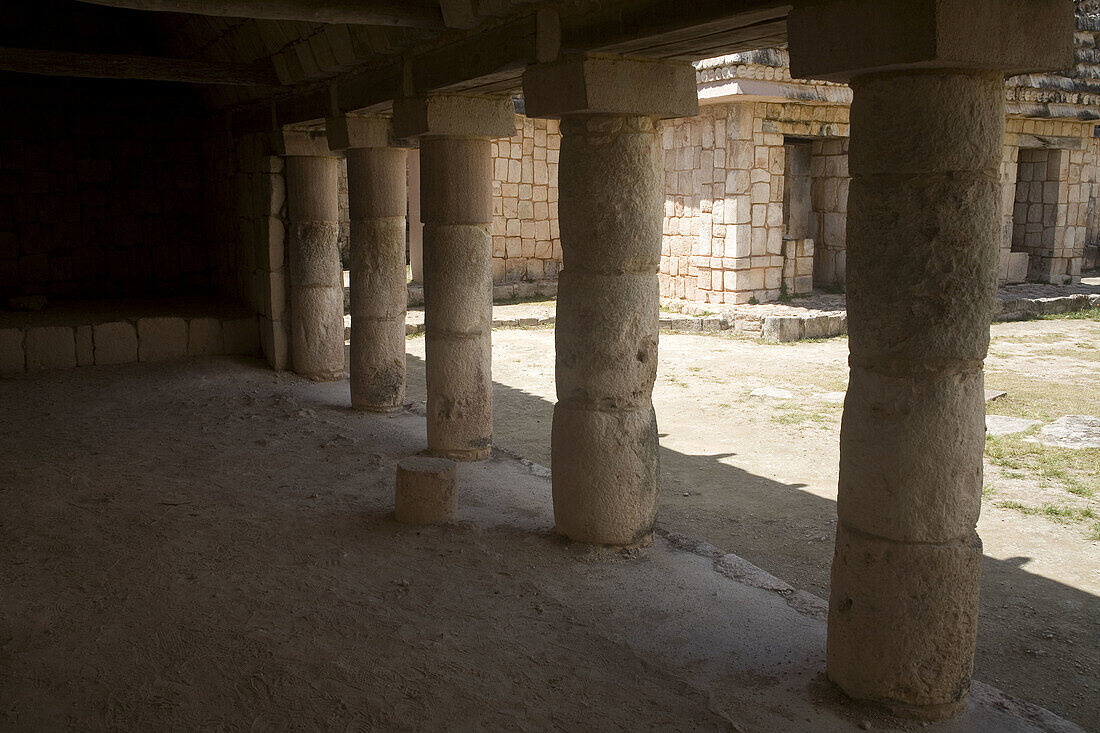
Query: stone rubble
x=1071 y=431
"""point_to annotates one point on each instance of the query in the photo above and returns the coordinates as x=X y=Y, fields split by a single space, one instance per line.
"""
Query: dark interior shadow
x=1038 y=639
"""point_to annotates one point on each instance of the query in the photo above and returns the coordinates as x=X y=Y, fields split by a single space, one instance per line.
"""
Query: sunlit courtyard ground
x=757 y=476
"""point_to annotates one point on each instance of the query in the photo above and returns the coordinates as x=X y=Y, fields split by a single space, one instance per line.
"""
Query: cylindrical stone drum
x=426 y=490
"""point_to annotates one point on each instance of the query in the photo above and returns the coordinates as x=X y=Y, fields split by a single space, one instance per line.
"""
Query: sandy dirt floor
x=756 y=476
x=208 y=545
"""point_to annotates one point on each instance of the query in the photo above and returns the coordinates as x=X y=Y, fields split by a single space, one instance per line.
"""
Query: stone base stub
x=840 y=39
x=610 y=85
x=426 y=490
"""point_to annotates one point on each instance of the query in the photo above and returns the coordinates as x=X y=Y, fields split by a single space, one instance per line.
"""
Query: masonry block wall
x=100 y=191
x=1049 y=174
x=829 y=190
x=526 y=246
x=246 y=215
x=725 y=240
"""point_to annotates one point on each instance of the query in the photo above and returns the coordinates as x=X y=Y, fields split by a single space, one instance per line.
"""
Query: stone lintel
x=1024 y=140
x=611 y=85
x=839 y=39
x=301 y=142
x=455 y=115
x=362 y=131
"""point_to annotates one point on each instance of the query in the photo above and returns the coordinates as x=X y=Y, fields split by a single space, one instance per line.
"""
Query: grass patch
x=1054 y=512
x=1088 y=314
x=1075 y=470
x=790 y=413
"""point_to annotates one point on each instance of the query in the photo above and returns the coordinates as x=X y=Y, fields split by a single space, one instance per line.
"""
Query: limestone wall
x=729 y=198
x=100 y=192
x=1049 y=174
x=724 y=200
x=526 y=246
x=246 y=217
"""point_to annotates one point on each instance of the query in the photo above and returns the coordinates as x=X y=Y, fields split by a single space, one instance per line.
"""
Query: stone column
x=416 y=226
x=923 y=234
x=376 y=201
x=604 y=448
x=456 y=208
x=316 y=282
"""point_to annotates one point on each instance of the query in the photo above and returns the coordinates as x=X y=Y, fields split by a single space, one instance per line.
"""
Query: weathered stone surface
x=1071 y=431
x=844 y=38
x=115 y=343
x=920 y=663
x=85 y=351
x=12 y=357
x=427 y=490
x=376 y=197
x=607 y=84
x=358 y=131
x=204 y=337
x=903 y=611
x=950 y=123
x=606 y=339
x=911 y=455
x=460 y=403
x=457 y=115
x=161 y=338
x=444 y=163
x=610 y=194
x=1017 y=267
x=241 y=336
x=1006 y=425
x=50 y=347
x=605 y=468
x=604 y=437
x=783 y=328
x=317 y=296
x=456 y=207
x=776 y=392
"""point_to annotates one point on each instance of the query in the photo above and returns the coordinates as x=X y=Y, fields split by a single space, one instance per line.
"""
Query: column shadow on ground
x=1038 y=639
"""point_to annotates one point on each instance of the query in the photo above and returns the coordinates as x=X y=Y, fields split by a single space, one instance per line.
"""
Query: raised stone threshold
x=521 y=290
x=77 y=334
x=819 y=316
x=823 y=315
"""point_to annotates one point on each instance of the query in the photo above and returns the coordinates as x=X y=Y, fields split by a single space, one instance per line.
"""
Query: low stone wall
x=87 y=333
x=154 y=338
x=824 y=315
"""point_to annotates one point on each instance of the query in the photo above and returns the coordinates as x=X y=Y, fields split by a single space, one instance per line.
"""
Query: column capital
x=295 y=141
x=591 y=84
x=837 y=40
x=362 y=131
x=455 y=115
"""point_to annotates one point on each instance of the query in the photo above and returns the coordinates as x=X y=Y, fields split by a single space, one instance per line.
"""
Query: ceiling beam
x=491 y=59
x=117 y=66
x=354 y=12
